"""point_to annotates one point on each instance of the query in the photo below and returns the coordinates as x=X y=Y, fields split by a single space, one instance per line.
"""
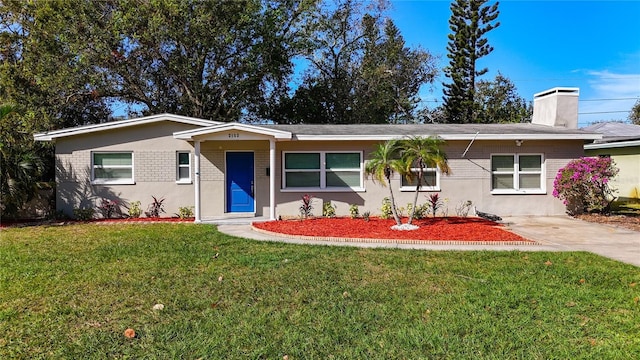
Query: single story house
x=621 y=142
x=239 y=170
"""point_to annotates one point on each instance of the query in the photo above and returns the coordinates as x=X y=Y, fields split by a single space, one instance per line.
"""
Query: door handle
x=252 y=189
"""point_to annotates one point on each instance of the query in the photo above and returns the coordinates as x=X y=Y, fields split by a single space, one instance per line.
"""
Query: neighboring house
x=236 y=169
x=622 y=143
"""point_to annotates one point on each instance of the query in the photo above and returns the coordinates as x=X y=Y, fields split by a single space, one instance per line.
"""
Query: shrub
x=134 y=209
x=463 y=208
x=434 y=203
x=354 y=211
x=185 y=212
x=366 y=215
x=583 y=185
x=155 y=208
x=307 y=206
x=328 y=209
x=83 y=214
x=421 y=210
x=108 y=208
x=387 y=213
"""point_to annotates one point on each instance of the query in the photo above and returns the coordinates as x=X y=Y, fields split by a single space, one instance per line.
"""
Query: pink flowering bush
x=583 y=185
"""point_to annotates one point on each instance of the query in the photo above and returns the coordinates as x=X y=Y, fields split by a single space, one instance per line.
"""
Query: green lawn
x=71 y=291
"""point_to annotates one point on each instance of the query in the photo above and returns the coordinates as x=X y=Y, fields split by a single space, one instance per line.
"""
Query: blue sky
x=592 y=45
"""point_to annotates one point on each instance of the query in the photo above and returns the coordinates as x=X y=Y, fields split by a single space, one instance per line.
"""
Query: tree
x=469 y=22
x=360 y=70
x=634 y=114
x=421 y=153
x=383 y=161
x=21 y=166
x=498 y=102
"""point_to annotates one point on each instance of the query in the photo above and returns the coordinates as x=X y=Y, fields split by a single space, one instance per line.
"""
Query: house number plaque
x=234 y=135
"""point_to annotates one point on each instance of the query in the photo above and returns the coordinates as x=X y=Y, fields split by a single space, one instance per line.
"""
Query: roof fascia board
x=51 y=135
x=453 y=137
x=192 y=134
x=612 y=145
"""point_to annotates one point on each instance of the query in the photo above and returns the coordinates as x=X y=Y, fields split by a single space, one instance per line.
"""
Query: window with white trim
x=430 y=180
x=322 y=170
x=183 y=167
x=112 y=167
x=517 y=173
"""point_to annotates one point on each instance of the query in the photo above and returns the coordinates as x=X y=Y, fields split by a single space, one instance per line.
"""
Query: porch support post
x=272 y=179
x=198 y=218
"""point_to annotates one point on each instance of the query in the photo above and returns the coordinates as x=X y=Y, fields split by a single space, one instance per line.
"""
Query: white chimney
x=556 y=107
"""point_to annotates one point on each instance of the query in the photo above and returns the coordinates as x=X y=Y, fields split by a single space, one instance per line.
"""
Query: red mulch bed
x=436 y=229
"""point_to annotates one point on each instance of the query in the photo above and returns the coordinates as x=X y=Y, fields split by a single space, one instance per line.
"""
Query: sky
x=539 y=45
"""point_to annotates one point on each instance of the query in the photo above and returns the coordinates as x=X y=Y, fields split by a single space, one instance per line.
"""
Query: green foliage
x=499 y=102
x=420 y=212
x=469 y=22
x=354 y=211
x=383 y=162
x=385 y=209
x=328 y=209
x=135 y=211
x=366 y=216
x=185 y=212
x=83 y=214
x=439 y=304
x=361 y=70
x=22 y=166
x=421 y=153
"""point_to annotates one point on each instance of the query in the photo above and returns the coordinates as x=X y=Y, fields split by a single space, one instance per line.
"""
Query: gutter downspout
x=198 y=218
x=272 y=179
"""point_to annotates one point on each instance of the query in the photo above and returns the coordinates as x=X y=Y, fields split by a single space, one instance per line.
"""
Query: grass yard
x=71 y=291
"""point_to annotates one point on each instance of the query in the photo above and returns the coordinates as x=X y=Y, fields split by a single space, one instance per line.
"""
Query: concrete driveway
x=553 y=233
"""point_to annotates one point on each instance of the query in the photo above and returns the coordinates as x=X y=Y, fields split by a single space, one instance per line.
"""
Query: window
x=112 y=168
x=322 y=170
x=183 y=168
x=430 y=180
x=517 y=173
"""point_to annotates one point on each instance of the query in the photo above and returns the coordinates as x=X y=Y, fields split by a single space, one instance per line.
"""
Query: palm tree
x=384 y=160
x=421 y=153
x=21 y=166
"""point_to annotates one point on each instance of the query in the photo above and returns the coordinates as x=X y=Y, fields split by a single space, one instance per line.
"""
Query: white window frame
x=516 y=175
x=130 y=181
x=178 y=166
x=436 y=187
x=323 y=173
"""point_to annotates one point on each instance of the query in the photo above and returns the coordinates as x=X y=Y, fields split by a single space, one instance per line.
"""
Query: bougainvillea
x=583 y=185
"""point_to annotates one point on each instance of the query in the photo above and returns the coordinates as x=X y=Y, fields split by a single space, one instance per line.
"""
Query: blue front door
x=239 y=183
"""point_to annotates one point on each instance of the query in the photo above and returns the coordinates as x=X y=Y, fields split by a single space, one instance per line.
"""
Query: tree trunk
x=393 y=204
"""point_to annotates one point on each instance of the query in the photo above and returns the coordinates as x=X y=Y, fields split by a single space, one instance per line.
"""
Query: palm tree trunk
x=393 y=204
x=415 y=198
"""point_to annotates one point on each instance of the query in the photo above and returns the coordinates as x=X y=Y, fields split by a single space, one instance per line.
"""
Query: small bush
x=185 y=212
x=155 y=208
x=387 y=213
x=434 y=203
x=109 y=208
x=354 y=211
x=83 y=214
x=135 y=211
x=463 y=208
x=328 y=209
x=306 y=209
x=421 y=210
x=366 y=215
x=583 y=185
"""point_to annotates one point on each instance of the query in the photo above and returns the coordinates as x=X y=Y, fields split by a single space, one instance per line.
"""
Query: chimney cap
x=558 y=91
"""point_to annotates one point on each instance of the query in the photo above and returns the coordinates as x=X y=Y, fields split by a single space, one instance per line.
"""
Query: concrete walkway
x=553 y=233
